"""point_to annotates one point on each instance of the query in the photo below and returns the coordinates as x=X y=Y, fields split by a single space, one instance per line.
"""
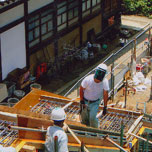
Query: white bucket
x=35 y=85
x=12 y=101
x=19 y=93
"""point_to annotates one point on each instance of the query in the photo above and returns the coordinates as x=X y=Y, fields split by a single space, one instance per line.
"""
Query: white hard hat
x=100 y=72
x=58 y=114
x=102 y=66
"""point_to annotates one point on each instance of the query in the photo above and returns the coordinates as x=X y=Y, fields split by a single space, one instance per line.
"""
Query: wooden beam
x=8 y=116
x=134 y=125
x=27 y=129
x=36 y=123
x=20 y=145
x=55 y=98
x=28 y=148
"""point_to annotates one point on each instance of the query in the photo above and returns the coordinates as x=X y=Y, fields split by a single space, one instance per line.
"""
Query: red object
x=139 y=67
x=41 y=69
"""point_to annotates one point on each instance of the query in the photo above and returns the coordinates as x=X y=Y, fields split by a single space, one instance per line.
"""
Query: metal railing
x=119 y=63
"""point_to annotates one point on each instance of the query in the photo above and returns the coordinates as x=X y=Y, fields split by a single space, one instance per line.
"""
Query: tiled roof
x=4 y=3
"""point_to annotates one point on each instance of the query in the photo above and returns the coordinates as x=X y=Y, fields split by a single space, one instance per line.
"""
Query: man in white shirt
x=90 y=93
x=56 y=132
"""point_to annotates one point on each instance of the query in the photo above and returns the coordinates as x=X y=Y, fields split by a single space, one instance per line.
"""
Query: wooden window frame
x=40 y=24
x=73 y=9
x=61 y=14
x=87 y=9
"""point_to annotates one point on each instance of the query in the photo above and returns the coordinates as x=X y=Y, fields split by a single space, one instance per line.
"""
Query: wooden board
x=36 y=123
x=32 y=99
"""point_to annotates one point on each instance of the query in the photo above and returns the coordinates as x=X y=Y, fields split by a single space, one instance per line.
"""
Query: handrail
x=143 y=32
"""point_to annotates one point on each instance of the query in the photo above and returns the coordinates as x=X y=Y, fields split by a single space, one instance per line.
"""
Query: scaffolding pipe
x=26 y=129
x=68 y=104
x=121 y=134
x=147 y=142
x=56 y=143
x=118 y=146
x=150 y=142
x=57 y=98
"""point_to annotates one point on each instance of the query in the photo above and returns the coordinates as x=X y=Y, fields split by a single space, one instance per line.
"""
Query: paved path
x=136 y=21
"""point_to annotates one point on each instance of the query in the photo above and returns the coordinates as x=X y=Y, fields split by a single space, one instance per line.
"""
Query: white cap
x=58 y=114
x=102 y=66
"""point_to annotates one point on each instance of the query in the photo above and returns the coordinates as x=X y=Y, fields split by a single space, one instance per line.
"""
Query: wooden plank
x=66 y=100
x=94 y=147
x=27 y=129
x=94 y=141
x=8 y=116
x=31 y=135
x=134 y=125
x=134 y=141
x=28 y=148
x=38 y=144
x=20 y=145
x=33 y=123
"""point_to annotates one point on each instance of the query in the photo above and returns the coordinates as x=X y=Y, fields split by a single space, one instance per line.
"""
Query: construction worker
x=90 y=93
x=58 y=116
x=7 y=149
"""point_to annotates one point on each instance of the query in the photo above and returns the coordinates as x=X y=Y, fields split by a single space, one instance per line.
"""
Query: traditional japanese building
x=36 y=31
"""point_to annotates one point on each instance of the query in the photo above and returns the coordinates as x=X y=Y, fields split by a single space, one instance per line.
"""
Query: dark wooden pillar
x=102 y=13
x=80 y=22
x=55 y=33
x=26 y=33
x=0 y=62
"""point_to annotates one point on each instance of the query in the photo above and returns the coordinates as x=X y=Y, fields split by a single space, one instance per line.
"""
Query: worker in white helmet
x=7 y=149
x=91 y=90
x=58 y=116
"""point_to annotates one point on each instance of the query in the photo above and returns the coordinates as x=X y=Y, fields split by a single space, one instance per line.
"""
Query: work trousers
x=88 y=114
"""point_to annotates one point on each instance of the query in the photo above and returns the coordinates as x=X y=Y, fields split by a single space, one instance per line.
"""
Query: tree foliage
x=141 y=7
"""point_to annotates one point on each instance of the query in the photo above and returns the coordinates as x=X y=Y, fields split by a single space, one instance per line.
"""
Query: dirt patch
x=137 y=101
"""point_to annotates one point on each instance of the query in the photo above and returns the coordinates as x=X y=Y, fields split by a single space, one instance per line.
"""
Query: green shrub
x=143 y=7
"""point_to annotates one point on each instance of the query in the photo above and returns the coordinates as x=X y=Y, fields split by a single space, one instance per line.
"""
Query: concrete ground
x=135 y=21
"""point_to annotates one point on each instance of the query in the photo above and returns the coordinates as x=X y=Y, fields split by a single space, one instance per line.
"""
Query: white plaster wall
x=11 y=15
x=13 y=51
x=36 y=4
